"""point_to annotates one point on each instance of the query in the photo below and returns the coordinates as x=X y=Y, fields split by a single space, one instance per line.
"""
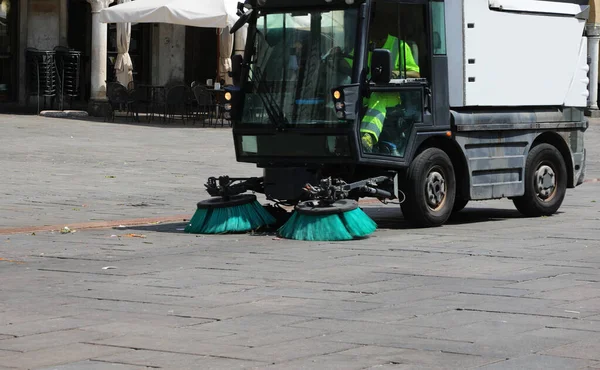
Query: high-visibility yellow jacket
x=372 y=122
x=393 y=45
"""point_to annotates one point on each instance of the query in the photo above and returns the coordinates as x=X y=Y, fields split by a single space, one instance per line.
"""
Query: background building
x=161 y=53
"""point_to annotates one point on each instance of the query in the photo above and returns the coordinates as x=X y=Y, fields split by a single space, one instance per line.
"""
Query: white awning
x=196 y=13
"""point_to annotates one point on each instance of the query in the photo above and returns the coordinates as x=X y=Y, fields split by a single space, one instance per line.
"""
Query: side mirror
x=241 y=22
x=381 y=66
x=236 y=68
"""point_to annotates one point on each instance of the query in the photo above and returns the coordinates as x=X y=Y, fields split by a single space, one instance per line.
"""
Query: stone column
x=593 y=35
x=99 y=45
x=592 y=31
x=64 y=19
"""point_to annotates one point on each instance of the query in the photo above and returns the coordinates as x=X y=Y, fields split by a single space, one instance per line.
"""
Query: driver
x=378 y=103
x=404 y=65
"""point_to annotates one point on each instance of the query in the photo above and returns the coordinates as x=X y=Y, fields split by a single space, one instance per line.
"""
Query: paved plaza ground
x=128 y=289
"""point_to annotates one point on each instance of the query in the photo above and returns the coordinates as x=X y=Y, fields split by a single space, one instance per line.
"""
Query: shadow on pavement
x=385 y=217
x=156 y=123
x=175 y=228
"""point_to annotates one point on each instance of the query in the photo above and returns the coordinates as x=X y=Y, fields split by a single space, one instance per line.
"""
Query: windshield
x=298 y=59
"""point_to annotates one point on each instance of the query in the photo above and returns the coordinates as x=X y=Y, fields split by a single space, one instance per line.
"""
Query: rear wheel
x=430 y=189
x=545 y=182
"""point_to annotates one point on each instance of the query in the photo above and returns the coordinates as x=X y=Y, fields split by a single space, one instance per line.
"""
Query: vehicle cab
x=317 y=78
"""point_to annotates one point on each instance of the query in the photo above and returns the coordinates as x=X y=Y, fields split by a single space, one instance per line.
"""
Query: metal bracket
x=331 y=190
x=226 y=186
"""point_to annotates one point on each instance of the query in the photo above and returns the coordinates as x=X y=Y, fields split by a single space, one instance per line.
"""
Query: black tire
x=543 y=199
x=459 y=204
x=427 y=172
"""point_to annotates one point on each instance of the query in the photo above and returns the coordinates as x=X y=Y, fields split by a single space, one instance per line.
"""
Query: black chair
x=41 y=75
x=177 y=99
x=119 y=99
x=140 y=97
x=219 y=99
x=205 y=103
x=68 y=63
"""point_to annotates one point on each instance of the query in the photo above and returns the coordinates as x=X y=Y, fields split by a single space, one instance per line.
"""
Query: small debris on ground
x=134 y=235
x=66 y=230
x=13 y=261
x=109 y=268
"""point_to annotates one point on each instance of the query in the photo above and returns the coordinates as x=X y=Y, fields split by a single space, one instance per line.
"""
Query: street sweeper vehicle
x=430 y=104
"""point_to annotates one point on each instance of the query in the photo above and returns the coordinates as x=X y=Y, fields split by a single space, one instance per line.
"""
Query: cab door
x=393 y=114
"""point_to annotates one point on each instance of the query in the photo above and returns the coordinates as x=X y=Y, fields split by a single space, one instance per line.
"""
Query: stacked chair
x=68 y=65
x=41 y=75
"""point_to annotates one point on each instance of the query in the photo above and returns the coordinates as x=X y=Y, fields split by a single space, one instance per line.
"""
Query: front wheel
x=459 y=204
x=430 y=189
x=545 y=182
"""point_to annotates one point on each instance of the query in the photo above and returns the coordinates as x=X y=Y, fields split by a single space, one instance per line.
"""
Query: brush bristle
x=358 y=223
x=336 y=227
x=234 y=219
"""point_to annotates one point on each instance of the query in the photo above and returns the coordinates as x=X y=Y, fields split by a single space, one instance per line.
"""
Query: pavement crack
x=561 y=328
x=215 y=268
x=125 y=363
x=83 y=272
x=163 y=286
x=348 y=291
x=120 y=300
x=517 y=313
x=196 y=317
x=444 y=339
x=453 y=253
x=71 y=258
x=445 y=277
x=174 y=295
x=167 y=351
x=494 y=295
x=460 y=353
x=571 y=266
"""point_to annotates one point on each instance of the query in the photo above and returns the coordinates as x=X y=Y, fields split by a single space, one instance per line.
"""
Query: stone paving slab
x=95 y=365
x=540 y=362
x=51 y=356
x=489 y=290
x=170 y=360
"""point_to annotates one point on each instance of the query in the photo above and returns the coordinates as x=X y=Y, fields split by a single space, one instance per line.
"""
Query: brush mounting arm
x=330 y=189
x=226 y=186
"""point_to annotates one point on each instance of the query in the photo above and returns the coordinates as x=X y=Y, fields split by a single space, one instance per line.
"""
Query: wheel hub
x=545 y=182
x=436 y=189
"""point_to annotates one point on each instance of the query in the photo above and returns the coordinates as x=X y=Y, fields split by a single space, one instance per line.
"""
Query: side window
x=439 y=28
x=389 y=116
x=387 y=124
x=402 y=29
